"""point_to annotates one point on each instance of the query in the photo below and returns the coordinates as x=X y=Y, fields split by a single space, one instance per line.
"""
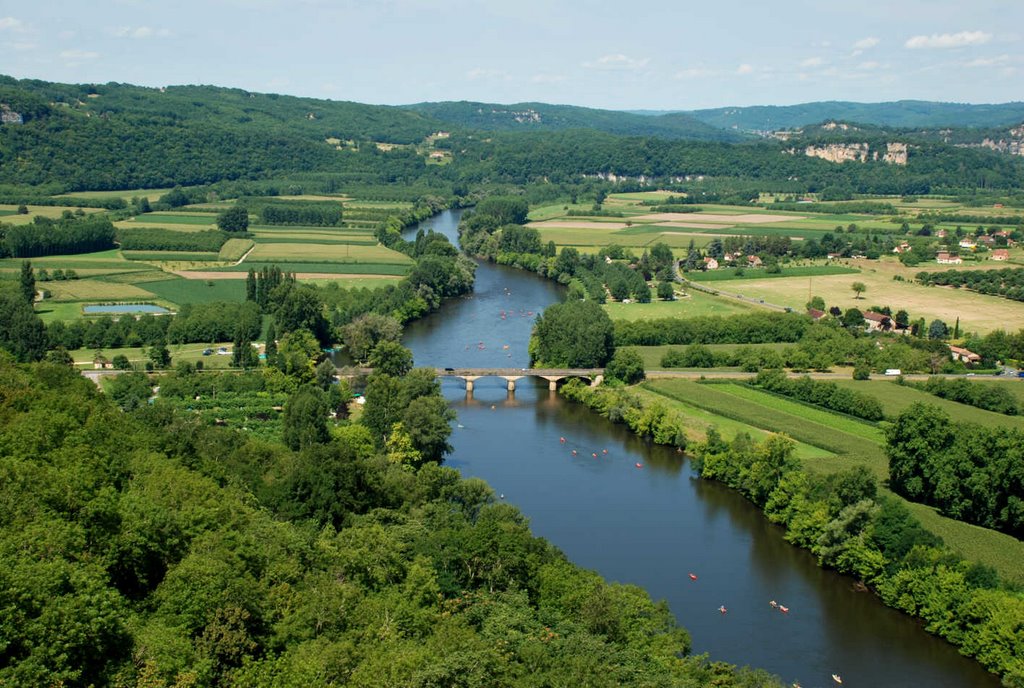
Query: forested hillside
x=146 y=549
x=82 y=137
x=902 y=113
x=546 y=117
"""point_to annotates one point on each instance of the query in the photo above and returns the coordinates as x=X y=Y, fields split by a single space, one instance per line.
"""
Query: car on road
x=449 y=370
x=207 y=352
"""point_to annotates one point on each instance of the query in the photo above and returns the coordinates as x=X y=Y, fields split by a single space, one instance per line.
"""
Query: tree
x=858 y=289
x=121 y=362
x=861 y=371
x=938 y=330
x=666 y=291
x=816 y=303
x=574 y=334
x=130 y=390
x=250 y=285
x=233 y=219
x=270 y=348
x=626 y=366
x=365 y=332
x=853 y=319
x=305 y=418
x=28 y=282
x=902 y=319
x=242 y=353
x=391 y=358
x=21 y=330
x=323 y=374
x=159 y=355
x=297 y=354
x=23 y=210
x=428 y=422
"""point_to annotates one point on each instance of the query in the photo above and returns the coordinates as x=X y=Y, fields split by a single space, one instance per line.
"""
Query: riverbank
x=866 y=532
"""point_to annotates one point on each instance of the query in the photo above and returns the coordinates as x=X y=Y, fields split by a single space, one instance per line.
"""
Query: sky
x=626 y=55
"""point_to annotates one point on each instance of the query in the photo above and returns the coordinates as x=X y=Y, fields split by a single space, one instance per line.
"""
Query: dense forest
x=1007 y=282
x=75 y=135
x=171 y=553
x=901 y=113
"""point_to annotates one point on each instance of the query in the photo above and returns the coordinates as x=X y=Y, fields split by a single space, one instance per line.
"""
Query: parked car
x=207 y=352
x=893 y=371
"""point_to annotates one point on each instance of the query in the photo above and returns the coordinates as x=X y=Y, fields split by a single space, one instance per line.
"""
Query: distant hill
x=902 y=113
x=545 y=117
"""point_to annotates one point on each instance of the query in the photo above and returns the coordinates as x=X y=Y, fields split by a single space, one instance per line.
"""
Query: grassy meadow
x=846 y=442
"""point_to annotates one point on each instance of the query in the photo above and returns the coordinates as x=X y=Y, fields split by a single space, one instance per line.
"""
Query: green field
x=698 y=421
x=729 y=274
x=896 y=398
x=159 y=256
x=803 y=423
x=181 y=291
x=204 y=219
x=338 y=268
x=696 y=303
x=151 y=194
x=234 y=249
x=84 y=358
x=652 y=355
x=325 y=253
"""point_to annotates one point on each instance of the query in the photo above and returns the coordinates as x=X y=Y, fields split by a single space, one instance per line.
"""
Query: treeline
x=47 y=237
x=969 y=472
x=219 y=321
x=159 y=554
x=753 y=328
x=849 y=525
x=619 y=405
x=840 y=208
x=155 y=239
x=825 y=394
x=107 y=333
x=320 y=214
x=1005 y=282
x=992 y=397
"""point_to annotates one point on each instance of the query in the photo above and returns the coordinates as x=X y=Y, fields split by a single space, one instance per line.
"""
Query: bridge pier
x=552 y=381
x=511 y=379
x=469 y=381
x=598 y=379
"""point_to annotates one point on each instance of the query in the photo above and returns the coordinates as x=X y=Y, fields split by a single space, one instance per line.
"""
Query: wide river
x=654 y=525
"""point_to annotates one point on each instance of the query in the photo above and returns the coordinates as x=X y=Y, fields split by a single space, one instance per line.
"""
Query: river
x=655 y=524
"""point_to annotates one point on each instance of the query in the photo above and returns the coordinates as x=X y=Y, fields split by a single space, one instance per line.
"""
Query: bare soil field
x=583 y=224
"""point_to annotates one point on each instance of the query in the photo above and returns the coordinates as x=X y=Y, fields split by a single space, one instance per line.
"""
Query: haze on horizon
x=670 y=57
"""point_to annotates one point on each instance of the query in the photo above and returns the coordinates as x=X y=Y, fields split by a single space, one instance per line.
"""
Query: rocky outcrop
x=894 y=153
x=9 y=116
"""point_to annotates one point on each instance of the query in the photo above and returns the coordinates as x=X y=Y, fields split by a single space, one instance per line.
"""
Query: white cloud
x=547 y=78
x=745 y=69
x=481 y=73
x=11 y=24
x=138 y=32
x=870 y=64
x=988 y=61
x=812 y=62
x=617 y=61
x=866 y=43
x=22 y=46
x=79 y=54
x=693 y=73
x=948 y=40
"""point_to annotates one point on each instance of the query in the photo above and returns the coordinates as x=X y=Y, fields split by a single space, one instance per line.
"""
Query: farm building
x=1000 y=254
x=961 y=354
x=710 y=263
x=877 y=322
x=945 y=258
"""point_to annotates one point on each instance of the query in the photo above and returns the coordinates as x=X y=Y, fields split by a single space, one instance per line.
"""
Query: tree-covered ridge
x=547 y=117
x=168 y=553
x=206 y=135
x=902 y=113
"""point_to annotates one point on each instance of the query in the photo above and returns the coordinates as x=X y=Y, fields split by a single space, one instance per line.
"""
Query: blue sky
x=659 y=54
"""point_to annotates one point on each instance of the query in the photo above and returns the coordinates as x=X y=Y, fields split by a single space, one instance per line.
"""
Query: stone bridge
x=553 y=375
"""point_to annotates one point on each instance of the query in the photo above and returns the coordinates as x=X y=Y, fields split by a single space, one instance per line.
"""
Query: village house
x=960 y=354
x=815 y=314
x=903 y=247
x=986 y=240
x=877 y=322
x=941 y=234
x=946 y=258
x=967 y=242
x=1000 y=254
x=729 y=258
x=835 y=256
x=753 y=261
x=710 y=263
